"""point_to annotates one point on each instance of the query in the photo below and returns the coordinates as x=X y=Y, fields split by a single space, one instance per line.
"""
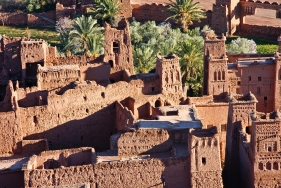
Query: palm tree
x=85 y=29
x=192 y=65
x=106 y=10
x=185 y=12
x=144 y=59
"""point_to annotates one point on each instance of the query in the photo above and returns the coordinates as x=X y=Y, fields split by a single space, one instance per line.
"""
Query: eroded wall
x=144 y=141
x=133 y=173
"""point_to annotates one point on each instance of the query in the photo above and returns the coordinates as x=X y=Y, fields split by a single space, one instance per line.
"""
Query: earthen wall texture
x=124 y=117
x=205 y=167
x=13 y=19
x=37 y=19
x=144 y=141
x=260 y=80
x=133 y=173
x=215 y=115
x=262 y=31
x=149 y=12
x=10 y=134
x=84 y=116
x=30 y=147
x=31 y=96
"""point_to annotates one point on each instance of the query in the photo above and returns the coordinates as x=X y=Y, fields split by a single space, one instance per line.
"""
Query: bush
x=242 y=45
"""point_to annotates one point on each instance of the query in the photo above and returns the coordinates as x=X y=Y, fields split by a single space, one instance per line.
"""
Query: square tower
x=215 y=81
x=205 y=161
x=118 y=50
x=168 y=69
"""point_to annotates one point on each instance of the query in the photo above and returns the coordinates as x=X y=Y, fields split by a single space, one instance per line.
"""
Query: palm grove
x=84 y=35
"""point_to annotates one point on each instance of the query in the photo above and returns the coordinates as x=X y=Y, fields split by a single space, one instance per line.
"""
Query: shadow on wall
x=96 y=72
x=8 y=179
x=93 y=131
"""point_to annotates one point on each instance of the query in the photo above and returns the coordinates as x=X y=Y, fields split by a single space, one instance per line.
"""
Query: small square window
x=259 y=79
x=250 y=78
x=223 y=127
x=153 y=89
x=269 y=148
x=265 y=98
x=203 y=160
x=239 y=83
x=258 y=90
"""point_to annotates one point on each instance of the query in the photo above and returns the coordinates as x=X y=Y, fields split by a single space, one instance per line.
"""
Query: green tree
x=40 y=5
x=144 y=60
x=191 y=63
x=241 y=45
x=84 y=32
x=184 y=12
x=106 y=10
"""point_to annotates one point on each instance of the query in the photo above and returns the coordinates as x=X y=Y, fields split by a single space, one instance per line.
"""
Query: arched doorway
x=158 y=103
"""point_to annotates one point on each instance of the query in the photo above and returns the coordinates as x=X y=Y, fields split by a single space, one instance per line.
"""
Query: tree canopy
x=184 y=12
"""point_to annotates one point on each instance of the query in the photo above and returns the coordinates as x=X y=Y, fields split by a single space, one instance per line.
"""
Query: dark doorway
x=158 y=103
x=31 y=73
x=2 y=92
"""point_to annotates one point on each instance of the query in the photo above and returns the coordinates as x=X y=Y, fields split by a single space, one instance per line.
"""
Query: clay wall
x=6 y=104
x=31 y=96
x=132 y=173
x=204 y=21
x=200 y=100
x=246 y=162
x=149 y=12
x=10 y=134
x=124 y=117
x=144 y=141
x=66 y=157
x=205 y=166
x=12 y=55
x=13 y=19
x=45 y=19
x=232 y=58
x=71 y=60
x=219 y=19
x=57 y=77
x=126 y=8
x=260 y=80
x=118 y=50
x=30 y=147
x=65 y=11
x=77 y=117
x=261 y=30
x=97 y=72
x=215 y=115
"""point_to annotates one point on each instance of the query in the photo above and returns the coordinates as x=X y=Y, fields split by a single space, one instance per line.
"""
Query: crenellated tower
x=215 y=64
x=168 y=69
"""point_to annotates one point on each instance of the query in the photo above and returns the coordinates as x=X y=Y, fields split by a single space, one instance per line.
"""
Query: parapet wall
x=200 y=100
x=132 y=173
x=262 y=31
x=144 y=141
x=124 y=117
x=146 y=12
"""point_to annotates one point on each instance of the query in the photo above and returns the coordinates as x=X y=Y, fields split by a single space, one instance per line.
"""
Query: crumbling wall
x=232 y=58
x=13 y=19
x=71 y=60
x=65 y=11
x=10 y=134
x=124 y=117
x=126 y=9
x=148 y=12
x=97 y=72
x=84 y=116
x=144 y=141
x=34 y=146
x=132 y=173
x=200 y=100
x=12 y=179
x=45 y=19
x=56 y=77
x=31 y=96
x=12 y=56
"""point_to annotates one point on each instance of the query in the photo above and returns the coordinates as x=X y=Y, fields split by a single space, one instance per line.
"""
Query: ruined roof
x=186 y=118
x=204 y=132
x=242 y=98
x=58 y=68
x=145 y=76
x=266 y=117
